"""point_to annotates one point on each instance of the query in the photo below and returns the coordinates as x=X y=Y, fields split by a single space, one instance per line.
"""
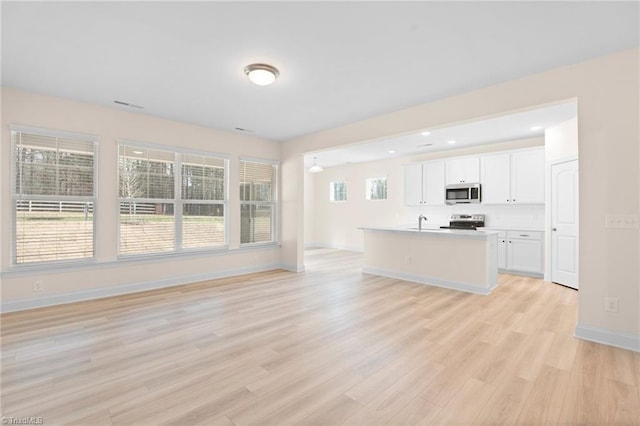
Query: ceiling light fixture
x=391 y=151
x=536 y=128
x=451 y=142
x=315 y=168
x=261 y=74
x=425 y=133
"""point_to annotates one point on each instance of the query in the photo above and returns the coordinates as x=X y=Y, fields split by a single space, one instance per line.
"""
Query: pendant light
x=315 y=168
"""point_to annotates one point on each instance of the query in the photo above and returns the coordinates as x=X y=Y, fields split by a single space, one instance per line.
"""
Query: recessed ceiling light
x=536 y=128
x=391 y=151
x=261 y=74
x=451 y=142
x=425 y=133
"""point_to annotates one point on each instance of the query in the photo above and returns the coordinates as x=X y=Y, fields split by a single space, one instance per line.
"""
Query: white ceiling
x=339 y=61
x=498 y=129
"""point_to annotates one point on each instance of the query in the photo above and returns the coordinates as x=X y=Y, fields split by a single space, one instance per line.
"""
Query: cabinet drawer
x=524 y=235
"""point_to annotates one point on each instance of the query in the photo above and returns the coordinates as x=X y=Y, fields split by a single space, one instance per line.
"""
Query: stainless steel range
x=465 y=221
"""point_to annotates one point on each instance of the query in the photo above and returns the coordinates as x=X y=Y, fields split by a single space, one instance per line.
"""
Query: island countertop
x=431 y=231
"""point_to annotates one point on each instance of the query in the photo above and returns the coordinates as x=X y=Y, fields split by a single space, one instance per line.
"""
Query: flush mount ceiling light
x=425 y=133
x=261 y=74
x=451 y=142
x=315 y=168
x=536 y=128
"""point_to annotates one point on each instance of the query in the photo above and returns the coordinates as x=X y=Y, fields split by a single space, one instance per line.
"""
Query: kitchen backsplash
x=511 y=216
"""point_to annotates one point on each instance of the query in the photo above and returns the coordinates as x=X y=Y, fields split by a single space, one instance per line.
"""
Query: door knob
x=554 y=229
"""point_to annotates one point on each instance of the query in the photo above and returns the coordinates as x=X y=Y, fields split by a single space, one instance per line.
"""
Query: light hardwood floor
x=329 y=346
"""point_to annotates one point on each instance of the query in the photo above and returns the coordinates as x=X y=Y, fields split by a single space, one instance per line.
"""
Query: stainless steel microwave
x=463 y=193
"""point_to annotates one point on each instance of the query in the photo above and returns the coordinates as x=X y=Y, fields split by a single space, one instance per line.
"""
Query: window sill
x=21 y=271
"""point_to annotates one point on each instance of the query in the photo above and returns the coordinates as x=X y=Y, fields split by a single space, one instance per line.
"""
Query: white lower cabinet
x=520 y=252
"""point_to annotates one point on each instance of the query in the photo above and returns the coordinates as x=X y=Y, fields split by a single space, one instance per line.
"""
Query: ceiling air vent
x=128 y=104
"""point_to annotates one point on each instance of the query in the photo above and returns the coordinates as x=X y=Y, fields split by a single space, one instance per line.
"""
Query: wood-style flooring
x=329 y=346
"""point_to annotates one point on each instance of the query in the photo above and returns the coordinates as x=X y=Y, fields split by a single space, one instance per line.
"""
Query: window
x=257 y=201
x=170 y=201
x=338 y=191
x=53 y=195
x=203 y=206
x=377 y=188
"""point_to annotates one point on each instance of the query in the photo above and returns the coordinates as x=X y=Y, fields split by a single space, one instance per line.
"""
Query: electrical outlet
x=38 y=286
x=407 y=260
x=611 y=304
x=620 y=221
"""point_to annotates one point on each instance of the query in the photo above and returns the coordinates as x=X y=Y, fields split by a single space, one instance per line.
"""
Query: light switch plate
x=626 y=221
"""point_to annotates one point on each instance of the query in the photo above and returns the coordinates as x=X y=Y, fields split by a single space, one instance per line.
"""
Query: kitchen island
x=458 y=259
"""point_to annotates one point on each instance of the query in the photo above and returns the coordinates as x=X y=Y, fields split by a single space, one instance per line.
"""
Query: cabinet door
x=413 y=184
x=502 y=250
x=463 y=170
x=433 y=183
x=496 y=175
x=524 y=255
x=527 y=176
x=471 y=167
x=455 y=171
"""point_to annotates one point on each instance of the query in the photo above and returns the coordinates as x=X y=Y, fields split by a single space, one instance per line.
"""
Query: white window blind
x=147 y=188
x=53 y=196
x=257 y=202
x=338 y=191
x=204 y=201
x=376 y=189
x=170 y=201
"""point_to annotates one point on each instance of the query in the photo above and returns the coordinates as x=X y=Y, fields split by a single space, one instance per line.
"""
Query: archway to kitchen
x=369 y=184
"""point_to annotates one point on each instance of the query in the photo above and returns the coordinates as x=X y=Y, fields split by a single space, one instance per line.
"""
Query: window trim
x=13 y=251
x=177 y=201
x=275 y=219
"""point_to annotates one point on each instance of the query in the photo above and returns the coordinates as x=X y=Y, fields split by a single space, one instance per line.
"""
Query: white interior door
x=564 y=223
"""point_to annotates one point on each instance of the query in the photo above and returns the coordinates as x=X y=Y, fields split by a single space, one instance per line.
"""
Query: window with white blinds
x=53 y=196
x=170 y=201
x=257 y=201
x=204 y=198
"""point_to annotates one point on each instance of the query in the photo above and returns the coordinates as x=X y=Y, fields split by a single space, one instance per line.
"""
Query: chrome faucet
x=420 y=221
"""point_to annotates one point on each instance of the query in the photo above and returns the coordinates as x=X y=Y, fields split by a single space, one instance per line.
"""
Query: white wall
x=608 y=126
x=108 y=274
x=336 y=223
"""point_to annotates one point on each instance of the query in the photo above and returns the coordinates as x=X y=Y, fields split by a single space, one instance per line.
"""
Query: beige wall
x=109 y=124
x=607 y=91
x=561 y=141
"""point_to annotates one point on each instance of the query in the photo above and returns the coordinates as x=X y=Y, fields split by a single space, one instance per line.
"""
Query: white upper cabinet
x=463 y=170
x=433 y=183
x=413 y=184
x=496 y=178
x=513 y=178
x=424 y=183
x=527 y=176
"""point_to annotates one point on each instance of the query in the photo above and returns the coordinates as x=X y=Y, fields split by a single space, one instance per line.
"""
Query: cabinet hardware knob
x=554 y=229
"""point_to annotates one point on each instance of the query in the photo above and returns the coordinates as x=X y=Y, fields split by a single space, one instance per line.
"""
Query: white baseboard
x=421 y=279
x=292 y=268
x=334 y=247
x=98 y=293
x=608 y=337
